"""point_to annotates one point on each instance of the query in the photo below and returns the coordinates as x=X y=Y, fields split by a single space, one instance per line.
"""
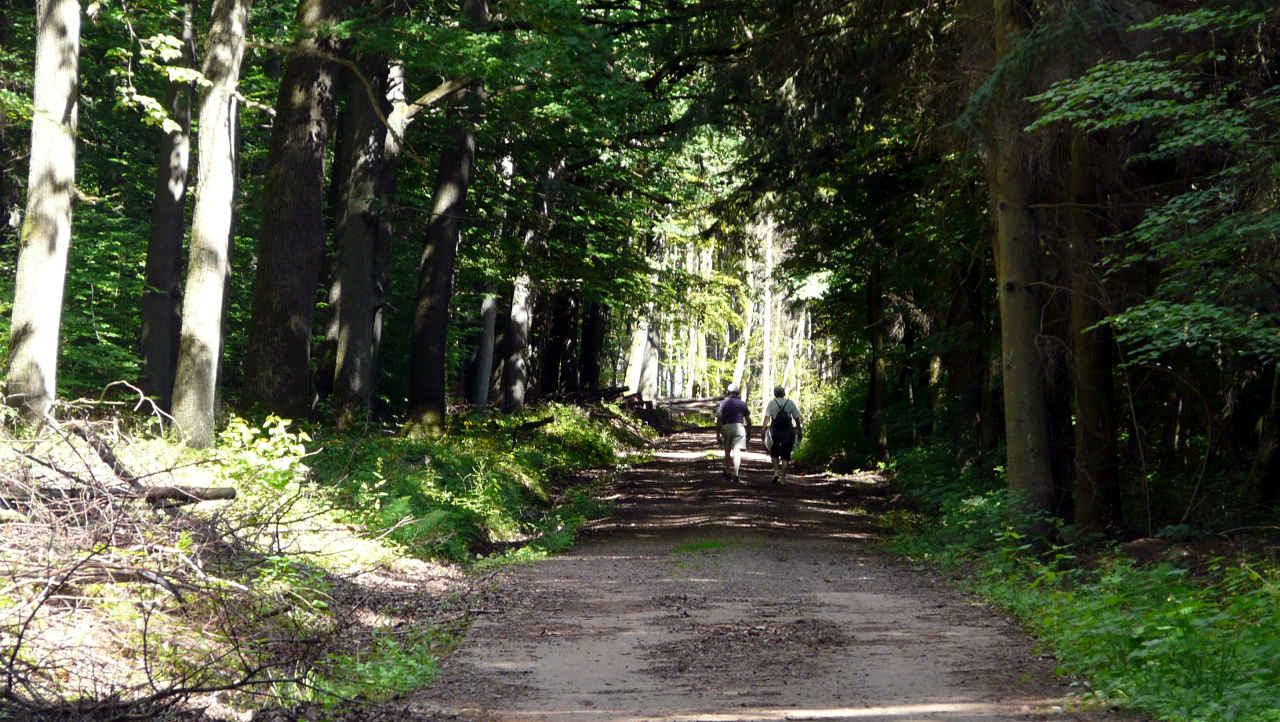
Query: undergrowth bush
x=248 y=594
x=832 y=432
x=492 y=482
x=1157 y=639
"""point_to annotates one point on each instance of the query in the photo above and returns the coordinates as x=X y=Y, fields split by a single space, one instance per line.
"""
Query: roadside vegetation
x=1183 y=625
x=335 y=574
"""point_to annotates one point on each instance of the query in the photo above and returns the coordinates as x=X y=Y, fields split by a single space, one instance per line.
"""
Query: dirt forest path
x=703 y=600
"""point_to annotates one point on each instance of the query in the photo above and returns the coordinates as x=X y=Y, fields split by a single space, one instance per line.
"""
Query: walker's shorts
x=733 y=436
x=782 y=445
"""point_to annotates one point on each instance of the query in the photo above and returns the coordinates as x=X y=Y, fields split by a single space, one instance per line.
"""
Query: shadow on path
x=682 y=488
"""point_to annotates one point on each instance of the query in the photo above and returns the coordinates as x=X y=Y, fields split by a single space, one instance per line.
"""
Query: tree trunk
x=556 y=349
x=1016 y=251
x=46 y=227
x=162 y=298
x=594 y=326
x=357 y=235
x=651 y=363
x=767 y=319
x=1097 y=485
x=874 y=422
x=427 y=378
x=636 y=355
x=515 y=367
x=291 y=236
x=744 y=344
x=482 y=377
x=200 y=346
x=1263 y=484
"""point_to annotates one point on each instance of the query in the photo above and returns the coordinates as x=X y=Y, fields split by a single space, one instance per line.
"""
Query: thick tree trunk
x=200 y=347
x=428 y=383
x=427 y=378
x=651 y=363
x=161 y=301
x=357 y=235
x=1016 y=252
x=1097 y=485
x=32 y=382
x=277 y=363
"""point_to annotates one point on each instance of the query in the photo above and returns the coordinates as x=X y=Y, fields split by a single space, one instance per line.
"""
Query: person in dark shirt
x=733 y=419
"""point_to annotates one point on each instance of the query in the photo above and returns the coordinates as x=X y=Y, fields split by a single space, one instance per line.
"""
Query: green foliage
x=487 y=483
x=833 y=429
x=1149 y=638
x=1212 y=111
x=392 y=662
x=928 y=475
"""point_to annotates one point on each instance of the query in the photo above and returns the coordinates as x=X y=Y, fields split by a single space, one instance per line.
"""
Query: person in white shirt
x=780 y=431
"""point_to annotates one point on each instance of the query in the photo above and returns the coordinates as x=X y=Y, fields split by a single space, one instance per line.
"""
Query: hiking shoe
x=737 y=479
x=777 y=479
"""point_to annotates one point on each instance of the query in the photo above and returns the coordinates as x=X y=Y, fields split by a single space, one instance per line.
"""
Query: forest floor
x=698 y=599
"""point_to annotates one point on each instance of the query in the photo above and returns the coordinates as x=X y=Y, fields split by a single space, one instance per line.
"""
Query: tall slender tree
x=1026 y=412
x=428 y=386
x=161 y=301
x=32 y=381
x=200 y=346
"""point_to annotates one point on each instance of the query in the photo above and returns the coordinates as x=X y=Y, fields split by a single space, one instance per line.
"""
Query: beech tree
x=161 y=315
x=200 y=347
x=359 y=237
x=292 y=230
x=32 y=380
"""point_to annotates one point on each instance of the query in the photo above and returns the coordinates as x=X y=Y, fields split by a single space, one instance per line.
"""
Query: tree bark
x=32 y=382
x=767 y=319
x=594 y=324
x=482 y=376
x=161 y=301
x=427 y=377
x=357 y=235
x=874 y=423
x=428 y=383
x=1096 y=491
x=556 y=349
x=515 y=366
x=200 y=345
x=1016 y=251
x=277 y=363
x=639 y=346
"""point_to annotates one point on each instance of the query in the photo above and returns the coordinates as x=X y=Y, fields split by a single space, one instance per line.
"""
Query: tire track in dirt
x=701 y=600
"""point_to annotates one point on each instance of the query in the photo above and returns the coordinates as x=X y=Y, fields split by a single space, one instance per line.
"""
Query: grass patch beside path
x=1152 y=638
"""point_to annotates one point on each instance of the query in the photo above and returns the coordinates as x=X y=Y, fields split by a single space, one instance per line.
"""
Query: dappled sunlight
x=683 y=487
